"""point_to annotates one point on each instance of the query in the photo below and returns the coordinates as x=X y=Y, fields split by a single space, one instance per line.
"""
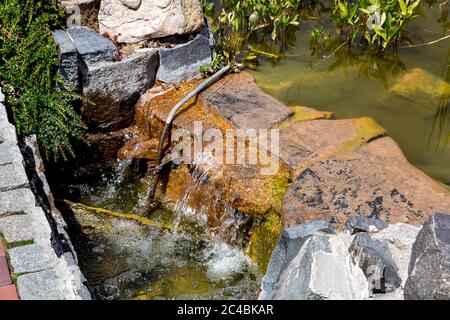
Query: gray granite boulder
x=375 y=260
x=77 y=48
x=356 y=224
x=111 y=89
x=69 y=61
x=91 y=46
x=429 y=267
x=183 y=62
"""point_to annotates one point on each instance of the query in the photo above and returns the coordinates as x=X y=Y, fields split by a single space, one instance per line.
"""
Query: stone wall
x=42 y=260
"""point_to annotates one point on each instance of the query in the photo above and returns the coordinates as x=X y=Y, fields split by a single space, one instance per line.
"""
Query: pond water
x=354 y=83
x=123 y=258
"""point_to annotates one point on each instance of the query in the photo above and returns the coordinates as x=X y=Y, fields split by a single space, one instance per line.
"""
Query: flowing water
x=360 y=83
x=176 y=255
x=125 y=259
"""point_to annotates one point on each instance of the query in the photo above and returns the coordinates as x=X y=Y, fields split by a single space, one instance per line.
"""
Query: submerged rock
x=183 y=62
x=134 y=21
x=423 y=88
x=429 y=268
x=373 y=180
x=375 y=259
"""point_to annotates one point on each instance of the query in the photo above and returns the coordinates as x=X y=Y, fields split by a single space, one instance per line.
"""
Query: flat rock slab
x=17 y=200
x=183 y=62
x=13 y=176
x=374 y=180
x=133 y=21
x=32 y=258
x=113 y=88
x=429 y=268
x=303 y=143
x=239 y=100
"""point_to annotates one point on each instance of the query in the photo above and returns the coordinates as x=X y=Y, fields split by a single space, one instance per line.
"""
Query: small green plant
x=236 y=21
x=28 y=67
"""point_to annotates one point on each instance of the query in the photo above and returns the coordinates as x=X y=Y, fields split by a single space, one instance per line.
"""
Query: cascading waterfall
x=125 y=259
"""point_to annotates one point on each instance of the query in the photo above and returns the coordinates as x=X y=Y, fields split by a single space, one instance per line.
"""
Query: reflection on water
x=354 y=82
x=125 y=259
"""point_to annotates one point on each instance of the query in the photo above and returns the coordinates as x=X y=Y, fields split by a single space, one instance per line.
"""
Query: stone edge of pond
x=37 y=259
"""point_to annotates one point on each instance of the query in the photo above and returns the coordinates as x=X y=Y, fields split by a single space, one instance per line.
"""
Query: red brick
x=5 y=277
x=2 y=249
x=8 y=293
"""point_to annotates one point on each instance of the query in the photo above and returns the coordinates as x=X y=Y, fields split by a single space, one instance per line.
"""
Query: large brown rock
x=132 y=20
x=303 y=143
x=373 y=180
x=235 y=102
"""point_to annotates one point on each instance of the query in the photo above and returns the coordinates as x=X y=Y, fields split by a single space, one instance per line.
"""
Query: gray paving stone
x=7 y=131
x=40 y=225
x=3 y=114
x=43 y=285
x=32 y=258
x=17 y=228
x=12 y=176
x=17 y=200
x=10 y=152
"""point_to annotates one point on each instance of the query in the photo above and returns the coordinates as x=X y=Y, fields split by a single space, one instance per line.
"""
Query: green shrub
x=28 y=67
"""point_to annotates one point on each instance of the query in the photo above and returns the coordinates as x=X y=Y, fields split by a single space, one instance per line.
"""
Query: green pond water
x=358 y=83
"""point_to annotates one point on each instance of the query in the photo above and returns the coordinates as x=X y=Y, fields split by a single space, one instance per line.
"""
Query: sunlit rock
x=429 y=268
x=132 y=20
x=373 y=179
x=422 y=87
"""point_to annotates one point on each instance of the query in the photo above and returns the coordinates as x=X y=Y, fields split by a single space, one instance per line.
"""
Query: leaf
x=402 y=6
x=381 y=32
